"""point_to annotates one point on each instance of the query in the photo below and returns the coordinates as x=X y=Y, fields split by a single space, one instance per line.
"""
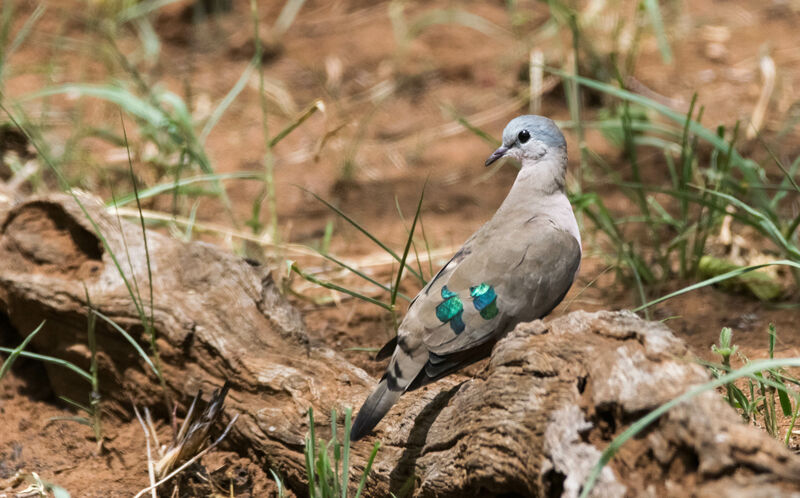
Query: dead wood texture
x=531 y=423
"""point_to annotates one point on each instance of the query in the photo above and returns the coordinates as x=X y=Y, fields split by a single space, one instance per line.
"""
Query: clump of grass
x=761 y=390
x=93 y=410
x=766 y=380
x=679 y=218
x=328 y=463
x=404 y=265
x=163 y=120
x=131 y=284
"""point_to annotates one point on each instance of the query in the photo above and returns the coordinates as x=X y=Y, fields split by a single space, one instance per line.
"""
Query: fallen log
x=532 y=422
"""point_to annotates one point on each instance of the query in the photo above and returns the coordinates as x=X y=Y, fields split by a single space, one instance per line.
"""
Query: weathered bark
x=532 y=422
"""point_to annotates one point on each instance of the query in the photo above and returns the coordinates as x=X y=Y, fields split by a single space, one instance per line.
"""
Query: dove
x=516 y=268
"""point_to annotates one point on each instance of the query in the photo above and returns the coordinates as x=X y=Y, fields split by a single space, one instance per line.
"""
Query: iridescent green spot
x=484 y=299
x=480 y=290
x=451 y=310
x=490 y=311
x=448 y=308
x=447 y=293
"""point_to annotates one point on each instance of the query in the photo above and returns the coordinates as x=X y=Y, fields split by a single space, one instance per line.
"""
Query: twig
x=190 y=461
x=369 y=260
x=767 y=66
x=150 y=471
x=536 y=76
x=152 y=427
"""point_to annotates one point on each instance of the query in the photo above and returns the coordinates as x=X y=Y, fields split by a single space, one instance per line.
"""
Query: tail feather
x=374 y=408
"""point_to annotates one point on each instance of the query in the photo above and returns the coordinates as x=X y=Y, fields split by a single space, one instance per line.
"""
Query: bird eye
x=523 y=136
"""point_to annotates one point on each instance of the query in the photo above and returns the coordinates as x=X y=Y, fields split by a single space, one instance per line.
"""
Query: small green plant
x=749 y=370
x=93 y=409
x=328 y=463
x=404 y=265
x=758 y=396
x=680 y=217
x=765 y=380
x=131 y=284
x=794 y=265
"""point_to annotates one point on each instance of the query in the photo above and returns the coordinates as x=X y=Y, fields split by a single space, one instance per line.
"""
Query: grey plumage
x=515 y=268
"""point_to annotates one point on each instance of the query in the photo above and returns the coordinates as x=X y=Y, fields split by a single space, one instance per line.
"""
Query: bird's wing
x=512 y=276
x=388 y=349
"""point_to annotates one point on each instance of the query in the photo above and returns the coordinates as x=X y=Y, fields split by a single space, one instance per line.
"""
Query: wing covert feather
x=529 y=275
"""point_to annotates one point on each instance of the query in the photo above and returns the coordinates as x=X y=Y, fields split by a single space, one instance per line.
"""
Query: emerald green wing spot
x=447 y=293
x=484 y=298
x=451 y=310
x=480 y=290
x=490 y=311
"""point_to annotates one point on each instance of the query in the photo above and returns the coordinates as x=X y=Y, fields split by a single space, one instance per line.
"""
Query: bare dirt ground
x=343 y=52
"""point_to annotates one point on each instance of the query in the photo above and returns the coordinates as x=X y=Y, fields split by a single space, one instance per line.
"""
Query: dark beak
x=500 y=152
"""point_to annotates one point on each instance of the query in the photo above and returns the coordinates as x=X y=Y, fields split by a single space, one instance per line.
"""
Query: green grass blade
x=348 y=413
x=226 y=102
x=337 y=457
x=315 y=106
x=367 y=468
x=765 y=224
x=753 y=173
x=324 y=472
x=790 y=430
x=413 y=244
x=80 y=420
x=786 y=404
x=278 y=482
x=328 y=285
x=75 y=404
x=410 y=239
x=453 y=16
x=654 y=11
x=149 y=325
x=14 y=353
x=718 y=278
x=478 y=132
x=654 y=415
x=141 y=9
x=786 y=173
x=363 y=230
x=427 y=248
x=174 y=185
x=286 y=17
x=357 y=272
x=311 y=444
x=50 y=359
x=784 y=187
x=128 y=338
x=22 y=34
x=123 y=98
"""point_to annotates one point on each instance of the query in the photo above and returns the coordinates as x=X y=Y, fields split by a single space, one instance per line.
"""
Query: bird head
x=529 y=138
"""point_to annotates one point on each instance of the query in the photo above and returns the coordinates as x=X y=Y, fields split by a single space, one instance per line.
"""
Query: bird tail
x=374 y=408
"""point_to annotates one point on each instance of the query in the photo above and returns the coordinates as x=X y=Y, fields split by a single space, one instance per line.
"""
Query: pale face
x=528 y=138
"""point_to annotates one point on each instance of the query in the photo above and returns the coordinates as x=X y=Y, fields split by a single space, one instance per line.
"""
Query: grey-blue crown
x=540 y=128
